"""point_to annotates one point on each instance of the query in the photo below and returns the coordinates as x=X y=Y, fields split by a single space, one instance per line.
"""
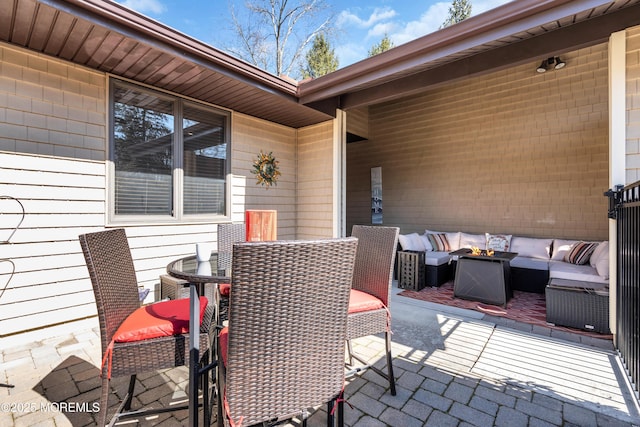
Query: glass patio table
x=196 y=274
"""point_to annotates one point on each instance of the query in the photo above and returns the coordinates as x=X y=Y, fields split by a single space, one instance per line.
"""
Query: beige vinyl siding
x=514 y=152
x=633 y=106
x=52 y=158
x=62 y=199
x=50 y=107
x=358 y=122
x=303 y=194
x=52 y=151
x=315 y=181
x=250 y=136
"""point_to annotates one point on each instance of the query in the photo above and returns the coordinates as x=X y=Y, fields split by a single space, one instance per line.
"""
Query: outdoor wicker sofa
x=573 y=274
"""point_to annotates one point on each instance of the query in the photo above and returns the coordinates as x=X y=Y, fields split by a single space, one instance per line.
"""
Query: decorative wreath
x=266 y=169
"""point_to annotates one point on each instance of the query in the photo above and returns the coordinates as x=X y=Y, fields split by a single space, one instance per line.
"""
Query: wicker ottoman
x=577 y=305
x=411 y=270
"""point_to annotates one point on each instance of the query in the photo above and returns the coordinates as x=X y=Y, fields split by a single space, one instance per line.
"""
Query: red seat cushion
x=161 y=319
x=223 y=341
x=361 y=301
x=225 y=289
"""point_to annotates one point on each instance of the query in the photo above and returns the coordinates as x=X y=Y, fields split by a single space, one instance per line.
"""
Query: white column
x=617 y=144
x=339 y=174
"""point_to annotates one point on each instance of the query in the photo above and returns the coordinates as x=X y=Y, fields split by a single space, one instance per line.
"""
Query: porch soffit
x=108 y=37
x=513 y=34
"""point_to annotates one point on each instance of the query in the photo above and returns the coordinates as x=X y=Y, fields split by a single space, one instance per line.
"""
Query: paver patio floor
x=453 y=368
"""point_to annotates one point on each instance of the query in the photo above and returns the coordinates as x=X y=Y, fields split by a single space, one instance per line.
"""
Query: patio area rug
x=524 y=307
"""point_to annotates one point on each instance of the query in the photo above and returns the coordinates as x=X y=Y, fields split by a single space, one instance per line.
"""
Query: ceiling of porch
x=106 y=36
x=516 y=33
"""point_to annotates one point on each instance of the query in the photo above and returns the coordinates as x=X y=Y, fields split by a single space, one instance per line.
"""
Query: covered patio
x=468 y=136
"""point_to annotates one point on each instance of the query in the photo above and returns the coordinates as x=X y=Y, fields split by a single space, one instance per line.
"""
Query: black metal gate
x=624 y=206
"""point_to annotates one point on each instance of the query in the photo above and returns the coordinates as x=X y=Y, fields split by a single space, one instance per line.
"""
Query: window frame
x=177 y=173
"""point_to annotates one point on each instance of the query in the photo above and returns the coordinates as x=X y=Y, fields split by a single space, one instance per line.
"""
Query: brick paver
x=432 y=389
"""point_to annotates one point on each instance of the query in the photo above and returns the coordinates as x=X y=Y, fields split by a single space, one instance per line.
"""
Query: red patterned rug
x=524 y=307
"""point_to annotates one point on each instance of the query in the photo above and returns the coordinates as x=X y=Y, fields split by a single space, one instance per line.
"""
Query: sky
x=360 y=24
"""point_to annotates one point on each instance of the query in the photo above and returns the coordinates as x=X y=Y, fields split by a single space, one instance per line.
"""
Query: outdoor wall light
x=559 y=63
x=544 y=66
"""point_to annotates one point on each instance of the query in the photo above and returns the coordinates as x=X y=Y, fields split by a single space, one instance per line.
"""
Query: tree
x=384 y=45
x=274 y=34
x=135 y=127
x=458 y=11
x=321 y=58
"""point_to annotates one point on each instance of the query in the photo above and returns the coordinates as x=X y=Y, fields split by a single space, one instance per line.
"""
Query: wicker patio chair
x=228 y=234
x=113 y=277
x=370 y=290
x=283 y=351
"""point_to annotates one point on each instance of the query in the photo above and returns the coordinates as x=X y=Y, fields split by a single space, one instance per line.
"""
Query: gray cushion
x=530 y=263
x=436 y=258
x=583 y=273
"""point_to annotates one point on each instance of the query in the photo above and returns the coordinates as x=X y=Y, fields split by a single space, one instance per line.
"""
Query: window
x=160 y=173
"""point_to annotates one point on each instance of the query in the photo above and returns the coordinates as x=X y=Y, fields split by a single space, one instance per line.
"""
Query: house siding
x=48 y=107
x=52 y=151
x=315 y=181
x=250 y=136
x=513 y=151
x=63 y=198
x=633 y=106
x=358 y=122
x=53 y=155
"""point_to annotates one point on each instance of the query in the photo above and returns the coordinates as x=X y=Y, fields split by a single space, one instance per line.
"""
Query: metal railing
x=625 y=208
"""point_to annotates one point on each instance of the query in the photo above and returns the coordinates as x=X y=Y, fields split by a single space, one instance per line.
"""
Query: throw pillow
x=439 y=242
x=452 y=238
x=602 y=263
x=426 y=242
x=498 y=242
x=473 y=240
x=580 y=253
x=531 y=247
x=405 y=242
x=598 y=252
x=411 y=242
x=561 y=247
x=416 y=242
